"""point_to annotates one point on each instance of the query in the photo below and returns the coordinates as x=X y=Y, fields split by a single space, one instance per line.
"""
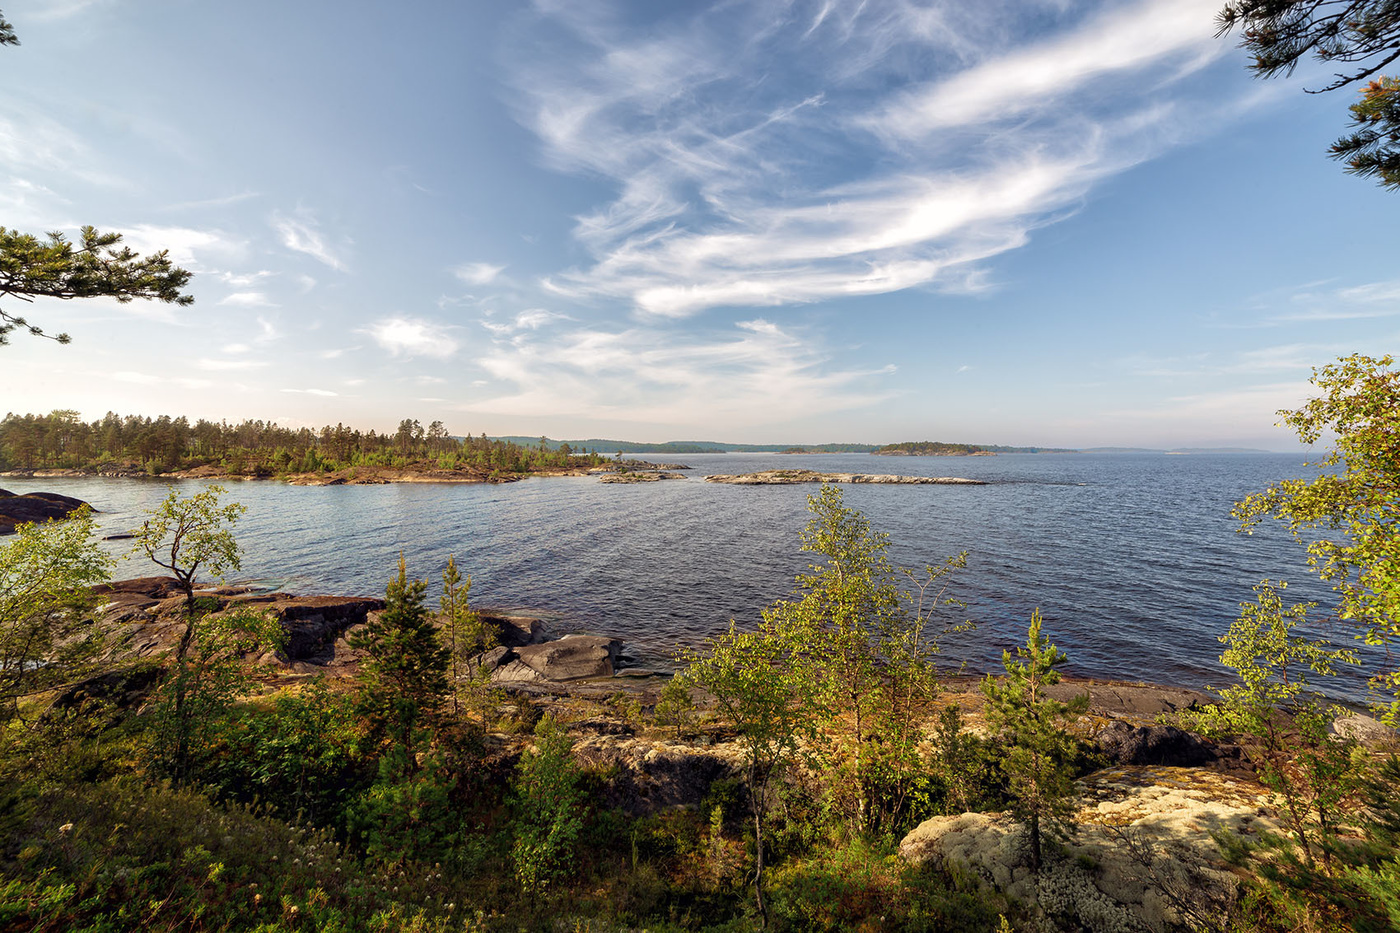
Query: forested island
x=142 y=446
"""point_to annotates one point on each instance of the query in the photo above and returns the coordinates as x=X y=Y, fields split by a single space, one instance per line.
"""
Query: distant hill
x=637 y=447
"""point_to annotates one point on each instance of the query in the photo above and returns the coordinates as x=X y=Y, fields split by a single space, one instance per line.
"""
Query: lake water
x=1133 y=560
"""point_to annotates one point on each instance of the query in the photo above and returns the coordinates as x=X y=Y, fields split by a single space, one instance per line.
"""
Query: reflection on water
x=1134 y=560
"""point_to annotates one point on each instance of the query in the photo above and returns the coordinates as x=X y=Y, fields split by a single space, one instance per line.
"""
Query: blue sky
x=1059 y=223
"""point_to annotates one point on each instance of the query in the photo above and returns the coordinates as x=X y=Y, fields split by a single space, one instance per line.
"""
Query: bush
x=548 y=807
x=127 y=856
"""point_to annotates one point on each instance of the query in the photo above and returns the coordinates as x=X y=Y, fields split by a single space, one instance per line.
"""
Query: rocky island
x=16 y=510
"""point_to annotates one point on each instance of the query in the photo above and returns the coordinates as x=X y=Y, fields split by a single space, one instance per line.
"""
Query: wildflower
x=65 y=829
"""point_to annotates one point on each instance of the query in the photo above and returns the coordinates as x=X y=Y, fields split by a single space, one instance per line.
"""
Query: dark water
x=1133 y=559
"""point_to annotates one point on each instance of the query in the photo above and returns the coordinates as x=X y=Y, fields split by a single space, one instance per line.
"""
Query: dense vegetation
x=61 y=439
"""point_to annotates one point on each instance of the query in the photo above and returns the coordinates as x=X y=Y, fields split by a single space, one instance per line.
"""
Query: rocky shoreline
x=350 y=476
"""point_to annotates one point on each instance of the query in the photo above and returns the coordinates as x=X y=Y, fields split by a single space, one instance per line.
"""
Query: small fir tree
x=465 y=634
x=1033 y=728
x=403 y=677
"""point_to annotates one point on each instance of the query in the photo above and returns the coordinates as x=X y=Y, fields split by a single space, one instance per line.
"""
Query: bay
x=1133 y=560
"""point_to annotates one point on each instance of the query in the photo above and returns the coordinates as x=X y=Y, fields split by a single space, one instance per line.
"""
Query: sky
x=1062 y=223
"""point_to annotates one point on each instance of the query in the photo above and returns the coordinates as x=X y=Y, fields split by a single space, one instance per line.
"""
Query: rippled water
x=1133 y=559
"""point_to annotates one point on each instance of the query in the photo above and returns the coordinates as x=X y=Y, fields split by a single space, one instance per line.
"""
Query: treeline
x=930 y=449
x=62 y=440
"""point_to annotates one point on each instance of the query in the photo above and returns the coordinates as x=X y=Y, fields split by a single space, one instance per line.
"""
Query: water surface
x=1133 y=560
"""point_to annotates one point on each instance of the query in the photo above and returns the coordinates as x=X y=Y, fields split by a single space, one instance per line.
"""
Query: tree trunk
x=756 y=795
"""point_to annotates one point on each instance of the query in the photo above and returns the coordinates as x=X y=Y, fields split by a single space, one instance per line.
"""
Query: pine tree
x=403 y=677
x=1032 y=725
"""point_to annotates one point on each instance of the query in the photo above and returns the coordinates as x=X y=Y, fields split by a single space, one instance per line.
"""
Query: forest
x=62 y=440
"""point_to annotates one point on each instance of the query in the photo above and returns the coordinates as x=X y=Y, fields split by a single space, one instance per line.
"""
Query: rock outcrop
x=643 y=477
x=144 y=615
x=1125 y=744
x=573 y=657
x=646 y=776
x=790 y=477
x=1142 y=855
x=34 y=507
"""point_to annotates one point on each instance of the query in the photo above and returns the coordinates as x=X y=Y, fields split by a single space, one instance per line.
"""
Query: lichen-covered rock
x=1142 y=854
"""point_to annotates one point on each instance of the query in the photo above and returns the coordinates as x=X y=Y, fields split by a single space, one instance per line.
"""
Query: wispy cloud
x=323 y=393
x=478 y=273
x=755 y=373
x=211 y=202
x=529 y=319
x=1325 y=302
x=932 y=146
x=405 y=336
x=302 y=234
x=247 y=300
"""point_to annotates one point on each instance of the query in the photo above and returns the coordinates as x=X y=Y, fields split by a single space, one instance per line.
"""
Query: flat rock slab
x=791 y=477
x=34 y=507
x=647 y=477
x=573 y=657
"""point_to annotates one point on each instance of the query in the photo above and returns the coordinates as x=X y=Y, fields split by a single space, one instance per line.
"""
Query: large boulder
x=314 y=623
x=1125 y=744
x=34 y=507
x=515 y=631
x=1142 y=855
x=645 y=776
x=573 y=657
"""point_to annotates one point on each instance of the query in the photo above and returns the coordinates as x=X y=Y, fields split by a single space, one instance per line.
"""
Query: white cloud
x=323 y=393
x=404 y=336
x=302 y=234
x=756 y=373
x=740 y=142
x=530 y=319
x=243 y=279
x=187 y=247
x=247 y=300
x=1125 y=39
x=237 y=348
x=478 y=273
